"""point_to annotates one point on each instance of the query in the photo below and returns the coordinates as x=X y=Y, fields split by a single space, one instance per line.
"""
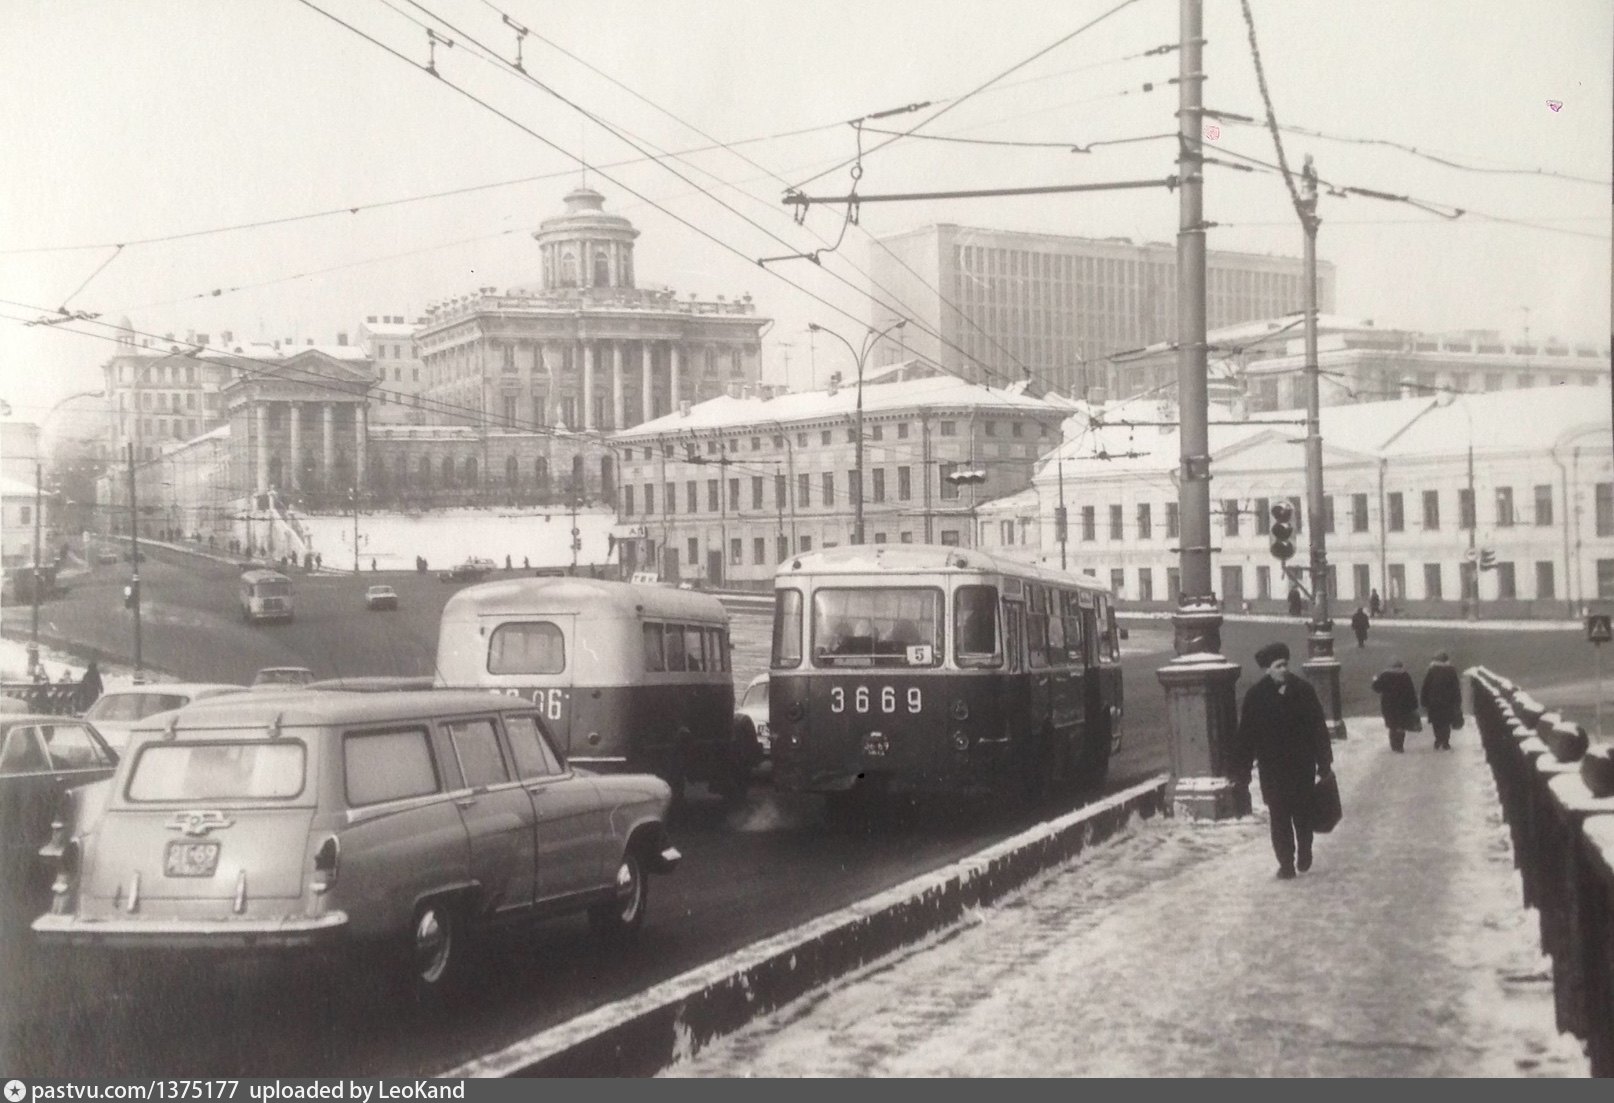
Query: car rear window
x=218 y=771
x=530 y=647
x=134 y=706
x=388 y=765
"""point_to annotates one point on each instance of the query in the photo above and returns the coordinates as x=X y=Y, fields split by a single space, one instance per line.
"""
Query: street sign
x=1598 y=628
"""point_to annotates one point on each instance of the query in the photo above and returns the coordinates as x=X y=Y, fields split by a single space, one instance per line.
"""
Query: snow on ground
x=1173 y=951
x=447 y=537
x=14 y=666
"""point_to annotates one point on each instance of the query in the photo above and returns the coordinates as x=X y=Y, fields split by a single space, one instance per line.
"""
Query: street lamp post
x=870 y=339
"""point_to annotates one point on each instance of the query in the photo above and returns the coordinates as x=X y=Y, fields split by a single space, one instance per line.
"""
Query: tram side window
x=535 y=647
x=1072 y=614
x=654 y=662
x=786 y=629
x=676 y=655
x=1109 y=648
x=1036 y=627
x=975 y=615
x=694 y=643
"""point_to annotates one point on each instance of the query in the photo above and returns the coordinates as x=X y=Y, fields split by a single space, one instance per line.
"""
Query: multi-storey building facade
x=389 y=342
x=724 y=490
x=1402 y=511
x=1004 y=302
x=587 y=349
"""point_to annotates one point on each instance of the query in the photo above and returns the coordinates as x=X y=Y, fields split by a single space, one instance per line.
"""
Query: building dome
x=585 y=247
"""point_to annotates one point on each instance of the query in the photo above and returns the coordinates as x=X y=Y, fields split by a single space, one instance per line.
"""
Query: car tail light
x=325 y=863
x=65 y=886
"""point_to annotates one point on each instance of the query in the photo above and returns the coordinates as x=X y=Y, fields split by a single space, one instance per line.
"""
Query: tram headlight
x=961 y=711
x=961 y=739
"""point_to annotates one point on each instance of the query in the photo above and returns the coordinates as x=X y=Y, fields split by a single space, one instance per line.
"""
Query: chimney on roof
x=683 y=407
x=369 y=319
x=308 y=340
x=834 y=383
x=227 y=337
x=735 y=389
x=202 y=339
x=341 y=339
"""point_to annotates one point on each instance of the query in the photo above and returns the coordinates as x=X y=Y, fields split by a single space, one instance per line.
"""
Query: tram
x=940 y=669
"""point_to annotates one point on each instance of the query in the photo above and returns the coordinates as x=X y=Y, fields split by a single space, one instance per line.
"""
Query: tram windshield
x=883 y=627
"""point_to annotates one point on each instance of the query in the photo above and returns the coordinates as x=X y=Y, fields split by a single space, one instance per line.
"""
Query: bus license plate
x=191 y=859
x=876 y=744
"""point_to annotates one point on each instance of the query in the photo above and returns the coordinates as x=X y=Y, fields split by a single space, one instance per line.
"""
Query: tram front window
x=976 y=634
x=887 y=627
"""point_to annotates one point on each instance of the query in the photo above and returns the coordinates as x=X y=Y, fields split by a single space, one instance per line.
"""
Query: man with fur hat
x=1282 y=728
x=1442 y=697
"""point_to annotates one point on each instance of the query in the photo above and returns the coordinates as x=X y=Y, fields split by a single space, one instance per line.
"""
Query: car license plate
x=875 y=744
x=191 y=859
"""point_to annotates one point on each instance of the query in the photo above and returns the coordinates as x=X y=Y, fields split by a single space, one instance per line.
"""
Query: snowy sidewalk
x=1174 y=951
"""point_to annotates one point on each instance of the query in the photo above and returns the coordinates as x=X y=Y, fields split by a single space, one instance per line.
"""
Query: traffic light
x=131 y=595
x=1487 y=559
x=1283 y=531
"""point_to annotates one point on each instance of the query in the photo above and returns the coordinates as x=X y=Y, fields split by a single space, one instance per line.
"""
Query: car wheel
x=435 y=950
x=622 y=918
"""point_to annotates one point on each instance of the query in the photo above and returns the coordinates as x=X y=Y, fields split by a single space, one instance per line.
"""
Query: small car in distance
x=282 y=677
x=107 y=558
x=381 y=597
x=42 y=758
x=474 y=569
x=118 y=710
x=406 y=822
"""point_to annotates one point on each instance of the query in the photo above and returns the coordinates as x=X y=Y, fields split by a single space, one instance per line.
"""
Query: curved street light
x=870 y=339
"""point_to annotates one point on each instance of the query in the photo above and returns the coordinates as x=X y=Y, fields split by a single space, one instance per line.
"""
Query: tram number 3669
x=886 y=699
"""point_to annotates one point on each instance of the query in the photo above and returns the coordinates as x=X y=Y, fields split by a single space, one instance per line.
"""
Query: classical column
x=673 y=390
x=588 y=385
x=361 y=433
x=328 y=474
x=619 y=407
x=263 y=446
x=295 y=412
x=647 y=358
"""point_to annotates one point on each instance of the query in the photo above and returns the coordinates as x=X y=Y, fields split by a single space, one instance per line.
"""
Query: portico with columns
x=301 y=430
x=587 y=350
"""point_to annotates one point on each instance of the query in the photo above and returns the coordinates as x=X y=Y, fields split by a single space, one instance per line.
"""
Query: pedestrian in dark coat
x=1375 y=604
x=1297 y=604
x=89 y=687
x=1359 y=625
x=1398 y=703
x=1282 y=729
x=1442 y=697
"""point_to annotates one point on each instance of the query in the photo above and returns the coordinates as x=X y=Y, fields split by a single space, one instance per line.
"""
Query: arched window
x=568 y=269
x=470 y=471
x=426 y=471
x=602 y=269
x=541 y=472
x=627 y=268
x=511 y=471
x=577 y=475
x=378 y=473
x=549 y=268
x=448 y=470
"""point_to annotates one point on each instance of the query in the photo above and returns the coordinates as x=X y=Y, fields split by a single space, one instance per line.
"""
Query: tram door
x=1013 y=688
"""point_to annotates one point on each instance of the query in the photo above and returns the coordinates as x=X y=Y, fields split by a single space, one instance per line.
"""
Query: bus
x=265 y=595
x=629 y=677
x=939 y=669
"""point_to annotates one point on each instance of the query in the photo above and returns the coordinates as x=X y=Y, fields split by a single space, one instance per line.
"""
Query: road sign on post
x=1598 y=628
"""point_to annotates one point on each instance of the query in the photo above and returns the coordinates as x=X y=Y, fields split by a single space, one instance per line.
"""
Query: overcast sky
x=125 y=121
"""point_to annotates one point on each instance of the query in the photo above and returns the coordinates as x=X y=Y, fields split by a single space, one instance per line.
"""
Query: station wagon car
x=406 y=821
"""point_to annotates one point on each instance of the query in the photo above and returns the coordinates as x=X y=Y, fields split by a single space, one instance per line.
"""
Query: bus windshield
x=877 y=627
x=278 y=587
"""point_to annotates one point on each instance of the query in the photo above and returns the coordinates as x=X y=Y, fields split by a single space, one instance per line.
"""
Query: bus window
x=877 y=627
x=535 y=647
x=1073 y=628
x=717 y=650
x=1108 y=644
x=693 y=645
x=1036 y=627
x=786 y=629
x=676 y=655
x=975 y=620
x=653 y=660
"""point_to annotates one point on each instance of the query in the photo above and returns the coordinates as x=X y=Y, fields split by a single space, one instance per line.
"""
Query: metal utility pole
x=1062 y=521
x=860 y=356
x=134 y=562
x=353 y=493
x=1201 y=709
x=1321 y=667
x=33 y=636
x=1471 y=583
x=576 y=542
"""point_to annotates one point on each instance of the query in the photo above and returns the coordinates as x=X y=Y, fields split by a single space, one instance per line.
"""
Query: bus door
x=1092 y=640
x=1014 y=665
x=1065 y=661
x=1041 y=695
x=535 y=658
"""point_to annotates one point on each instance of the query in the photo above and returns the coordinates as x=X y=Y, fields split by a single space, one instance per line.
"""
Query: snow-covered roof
x=1243 y=333
x=15 y=488
x=1017 y=502
x=724 y=412
x=389 y=329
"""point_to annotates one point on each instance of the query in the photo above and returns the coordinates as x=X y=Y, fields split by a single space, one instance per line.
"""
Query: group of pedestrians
x=1283 y=732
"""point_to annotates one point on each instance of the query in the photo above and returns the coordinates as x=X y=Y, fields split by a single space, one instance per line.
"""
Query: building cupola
x=585 y=247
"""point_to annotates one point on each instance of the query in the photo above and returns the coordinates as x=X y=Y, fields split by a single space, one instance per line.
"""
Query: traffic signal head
x=1283 y=531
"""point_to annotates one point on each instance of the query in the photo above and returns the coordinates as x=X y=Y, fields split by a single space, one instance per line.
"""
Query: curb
x=644 y=1033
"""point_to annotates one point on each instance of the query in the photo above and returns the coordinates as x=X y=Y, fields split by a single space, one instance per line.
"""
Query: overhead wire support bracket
x=912 y=107
x=432 y=39
x=799 y=200
x=521 y=37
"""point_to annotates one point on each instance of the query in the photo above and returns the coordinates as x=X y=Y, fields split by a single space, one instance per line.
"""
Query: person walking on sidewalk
x=1282 y=728
x=1398 y=703
x=1375 y=604
x=1359 y=625
x=1442 y=697
x=1297 y=604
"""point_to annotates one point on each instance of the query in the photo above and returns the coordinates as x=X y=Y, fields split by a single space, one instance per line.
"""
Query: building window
x=1361 y=581
x=1005 y=532
x=734 y=494
x=801 y=440
x=713 y=501
x=1504 y=506
x=805 y=544
x=1016 y=429
x=1328 y=513
x=1263 y=582
x=949 y=489
x=829 y=488
x=1604 y=501
x=25 y=515
x=1145 y=521
x=627 y=501
x=879 y=484
x=1230 y=516
x=779 y=490
x=736 y=550
x=1544 y=580
x=804 y=486
x=1089 y=523
x=1115 y=522
x=1173 y=584
x=692 y=501
x=1117 y=581
x=1605 y=578
x=902 y=430
x=904 y=484
x=1465 y=508
x=1358 y=512
x=1398 y=512
x=949 y=538
x=854 y=487
x=1431 y=581
x=756 y=444
x=823 y=437
x=1506 y=584
x=782 y=549
x=1172 y=523
x=759 y=550
x=1263 y=516
x=1431 y=509
x=1544 y=504
x=1397 y=583
x=1145 y=584
x=756 y=491
x=693 y=548
x=949 y=428
x=1232 y=586
x=672 y=498
x=877 y=432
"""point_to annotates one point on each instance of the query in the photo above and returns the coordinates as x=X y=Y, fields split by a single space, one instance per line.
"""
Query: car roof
x=191 y=688
x=283 y=669
x=381 y=586
x=9 y=720
x=320 y=707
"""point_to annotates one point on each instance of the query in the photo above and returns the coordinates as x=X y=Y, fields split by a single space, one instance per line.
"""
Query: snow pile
x=447 y=537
